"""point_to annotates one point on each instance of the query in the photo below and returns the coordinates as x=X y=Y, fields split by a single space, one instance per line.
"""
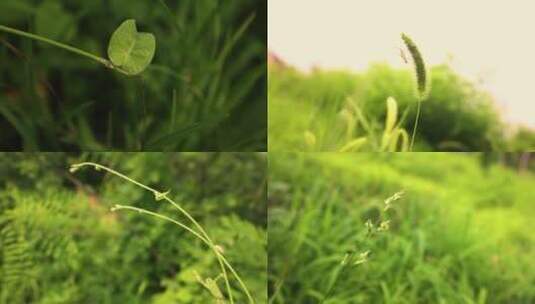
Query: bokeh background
x=60 y=243
x=479 y=58
x=205 y=90
x=461 y=233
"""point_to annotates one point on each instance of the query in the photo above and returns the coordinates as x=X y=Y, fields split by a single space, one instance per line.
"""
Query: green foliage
x=201 y=92
x=52 y=21
x=455 y=115
x=390 y=139
x=130 y=50
x=523 y=140
x=61 y=243
x=449 y=241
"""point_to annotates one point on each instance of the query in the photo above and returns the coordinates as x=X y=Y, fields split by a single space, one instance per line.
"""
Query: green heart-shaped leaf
x=130 y=50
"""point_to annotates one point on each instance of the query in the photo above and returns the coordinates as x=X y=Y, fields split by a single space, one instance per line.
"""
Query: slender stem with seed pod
x=347 y=262
x=202 y=235
x=422 y=81
x=372 y=230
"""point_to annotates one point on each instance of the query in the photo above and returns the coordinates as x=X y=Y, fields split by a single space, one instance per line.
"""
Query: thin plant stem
x=69 y=48
x=338 y=275
x=163 y=217
x=221 y=259
x=198 y=226
x=157 y=193
x=349 y=261
x=415 y=123
x=166 y=218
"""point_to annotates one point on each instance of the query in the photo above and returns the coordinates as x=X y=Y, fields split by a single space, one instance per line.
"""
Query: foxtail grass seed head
x=422 y=80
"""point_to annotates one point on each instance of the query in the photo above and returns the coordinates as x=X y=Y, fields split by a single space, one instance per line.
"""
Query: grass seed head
x=388 y=202
x=363 y=258
x=419 y=67
x=384 y=226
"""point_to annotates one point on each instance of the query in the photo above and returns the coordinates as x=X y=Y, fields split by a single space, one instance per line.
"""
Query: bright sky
x=488 y=40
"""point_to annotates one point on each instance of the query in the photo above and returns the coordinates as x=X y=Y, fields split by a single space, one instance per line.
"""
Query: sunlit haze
x=489 y=42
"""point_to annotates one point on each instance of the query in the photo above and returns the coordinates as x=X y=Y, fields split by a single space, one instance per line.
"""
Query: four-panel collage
x=266 y=152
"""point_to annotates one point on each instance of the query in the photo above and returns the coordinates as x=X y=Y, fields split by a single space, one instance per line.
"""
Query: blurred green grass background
x=60 y=243
x=205 y=91
x=456 y=116
x=462 y=233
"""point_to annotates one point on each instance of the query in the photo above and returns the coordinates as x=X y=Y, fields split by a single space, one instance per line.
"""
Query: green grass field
x=338 y=107
x=462 y=232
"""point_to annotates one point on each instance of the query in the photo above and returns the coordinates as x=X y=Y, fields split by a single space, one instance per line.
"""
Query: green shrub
x=456 y=115
x=59 y=242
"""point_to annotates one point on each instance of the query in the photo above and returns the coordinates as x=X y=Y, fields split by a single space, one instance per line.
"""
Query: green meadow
x=336 y=110
x=458 y=228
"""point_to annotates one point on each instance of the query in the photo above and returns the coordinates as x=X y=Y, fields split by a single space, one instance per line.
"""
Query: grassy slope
x=294 y=107
x=461 y=235
x=457 y=115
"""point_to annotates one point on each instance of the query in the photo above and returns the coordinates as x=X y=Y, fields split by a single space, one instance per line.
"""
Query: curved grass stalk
x=213 y=246
x=164 y=196
x=159 y=196
x=166 y=218
x=163 y=217
x=66 y=47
